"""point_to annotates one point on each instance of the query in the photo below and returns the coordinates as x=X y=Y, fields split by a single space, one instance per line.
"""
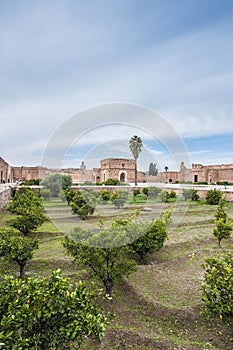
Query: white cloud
x=58 y=59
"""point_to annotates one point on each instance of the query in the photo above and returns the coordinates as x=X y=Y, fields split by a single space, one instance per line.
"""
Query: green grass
x=157 y=307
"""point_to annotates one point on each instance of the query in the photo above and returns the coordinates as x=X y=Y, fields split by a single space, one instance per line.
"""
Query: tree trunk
x=108 y=287
x=136 y=173
x=22 y=271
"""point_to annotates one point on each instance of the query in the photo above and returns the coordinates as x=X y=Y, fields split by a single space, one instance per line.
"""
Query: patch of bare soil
x=141 y=324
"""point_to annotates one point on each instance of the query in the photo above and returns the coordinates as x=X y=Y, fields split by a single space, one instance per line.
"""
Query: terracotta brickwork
x=212 y=173
x=199 y=173
x=5 y=171
x=120 y=169
x=28 y=173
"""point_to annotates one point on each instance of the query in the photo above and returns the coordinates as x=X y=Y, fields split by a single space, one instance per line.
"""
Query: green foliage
x=151 y=192
x=190 y=194
x=195 y=195
x=135 y=146
x=136 y=191
x=217 y=290
x=172 y=195
x=32 y=182
x=145 y=190
x=18 y=249
x=104 y=253
x=110 y=253
x=62 y=195
x=164 y=196
x=24 y=201
x=119 y=198
x=29 y=209
x=224 y=226
x=140 y=198
x=213 y=196
x=69 y=194
x=83 y=203
x=223 y=183
x=220 y=212
x=56 y=182
x=153 y=236
x=66 y=182
x=222 y=230
x=111 y=182
x=45 y=194
x=29 y=222
x=105 y=196
x=47 y=314
x=53 y=183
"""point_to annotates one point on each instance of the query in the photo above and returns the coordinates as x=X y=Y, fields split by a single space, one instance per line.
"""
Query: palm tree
x=166 y=168
x=135 y=146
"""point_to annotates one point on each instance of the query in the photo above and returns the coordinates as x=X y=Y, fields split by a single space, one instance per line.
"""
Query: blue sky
x=61 y=57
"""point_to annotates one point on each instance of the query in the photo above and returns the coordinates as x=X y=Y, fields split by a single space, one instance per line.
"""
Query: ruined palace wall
x=5 y=171
x=5 y=196
x=114 y=168
x=213 y=173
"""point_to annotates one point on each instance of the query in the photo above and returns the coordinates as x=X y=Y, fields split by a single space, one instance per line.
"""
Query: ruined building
x=120 y=169
x=5 y=172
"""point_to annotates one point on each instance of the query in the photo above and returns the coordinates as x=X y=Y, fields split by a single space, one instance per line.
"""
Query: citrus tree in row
x=223 y=226
x=217 y=289
x=111 y=253
x=39 y=313
x=29 y=210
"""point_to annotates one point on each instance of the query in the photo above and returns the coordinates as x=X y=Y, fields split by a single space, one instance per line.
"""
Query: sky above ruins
x=61 y=57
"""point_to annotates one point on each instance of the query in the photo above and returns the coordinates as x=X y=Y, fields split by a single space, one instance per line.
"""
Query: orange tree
x=47 y=314
x=17 y=249
x=29 y=209
x=217 y=290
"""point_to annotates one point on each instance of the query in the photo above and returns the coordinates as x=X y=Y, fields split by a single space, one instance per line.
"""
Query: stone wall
x=120 y=169
x=28 y=173
x=198 y=173
x=212 y=173
x=5 y=172
x=5 y=196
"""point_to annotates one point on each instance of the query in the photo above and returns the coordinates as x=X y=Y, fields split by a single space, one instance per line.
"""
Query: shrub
x=213 y=197
x=140 y=198
x=32 y=182
x=111 y=182
x=224 y=226
x=172 y=195
x=45 y=193
x=145 y=190
x=153 y=191
x=47 y=314
x=136 y=191
x=164 y=195
x=18 y=249
x=104 y=253
x=217 y=289
x=153 y=236
x=119 y=198
x=105 y=196
x=83 y=203
x=190 y=194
